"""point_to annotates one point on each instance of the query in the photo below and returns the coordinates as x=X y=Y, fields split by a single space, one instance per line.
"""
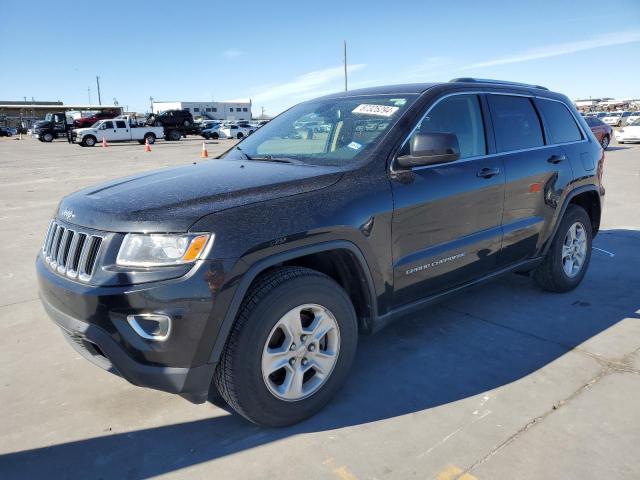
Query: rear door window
x=121 y=124
x=515 y=122
x=561 y=125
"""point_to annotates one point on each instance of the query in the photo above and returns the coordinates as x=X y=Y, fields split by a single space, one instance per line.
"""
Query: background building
x=19 y=113
x=229 y=110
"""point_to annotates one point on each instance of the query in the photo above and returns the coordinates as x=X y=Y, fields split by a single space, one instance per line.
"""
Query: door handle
x=488 y=172
x=556 y=158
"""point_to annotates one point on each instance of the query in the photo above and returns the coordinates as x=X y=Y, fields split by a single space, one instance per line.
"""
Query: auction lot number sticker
x=379 y=110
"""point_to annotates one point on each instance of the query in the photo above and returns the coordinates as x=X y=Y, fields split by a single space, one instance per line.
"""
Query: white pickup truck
x=116 y=130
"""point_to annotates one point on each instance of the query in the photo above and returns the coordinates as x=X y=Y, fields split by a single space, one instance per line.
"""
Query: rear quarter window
x=515 y=122
x=561 y=125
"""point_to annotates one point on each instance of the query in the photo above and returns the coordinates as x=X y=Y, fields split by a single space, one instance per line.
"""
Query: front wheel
x=565 y=264
x=48 y=137
x=215 y=136
x=290 y=348
x=605 y=142
x=89 y=141
x=239 y=136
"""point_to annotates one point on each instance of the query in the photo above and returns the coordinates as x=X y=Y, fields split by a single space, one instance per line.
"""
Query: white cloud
x=605 y=40
x=306 y=84
x=231 y=53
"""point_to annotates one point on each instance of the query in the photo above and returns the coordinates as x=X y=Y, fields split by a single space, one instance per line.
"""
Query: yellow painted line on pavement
x=454 y=473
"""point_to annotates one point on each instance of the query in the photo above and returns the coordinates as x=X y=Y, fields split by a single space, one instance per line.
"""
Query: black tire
x=239 y=136
x=238 y=376
x=605 y=142
x=89 y=141
x=150 y=137
x=550 y=274
x=48 y=137
x=174 y=135
x=215 y=136
x=206 y=136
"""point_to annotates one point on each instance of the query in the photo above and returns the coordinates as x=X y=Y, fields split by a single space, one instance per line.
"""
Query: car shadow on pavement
x=481 y=340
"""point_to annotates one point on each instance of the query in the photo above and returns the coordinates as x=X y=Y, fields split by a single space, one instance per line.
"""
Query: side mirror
x=430 y=149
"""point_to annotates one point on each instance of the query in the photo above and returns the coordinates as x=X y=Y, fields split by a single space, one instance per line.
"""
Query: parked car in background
x=236 y=131
x=84 y=122
x=601 y=130
x=6 y=132
x=633 y=117
x=616 y=119
x=171 y=118
x=629 y=133
x=213 y=132
x=116 y=130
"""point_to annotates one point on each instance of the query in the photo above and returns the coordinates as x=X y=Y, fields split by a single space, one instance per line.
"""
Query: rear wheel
x=173 y=135
x=290 y=348
x=48 y=137
x=215 y=136
x=149 y=137
x=239 y=136
x=605 y=142
x=565 y=264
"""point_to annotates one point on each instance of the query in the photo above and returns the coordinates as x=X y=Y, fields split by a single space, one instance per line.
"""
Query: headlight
x=157 y=250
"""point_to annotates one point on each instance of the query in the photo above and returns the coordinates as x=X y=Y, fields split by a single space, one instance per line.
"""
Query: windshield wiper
x=270 y=158
x=247 y=157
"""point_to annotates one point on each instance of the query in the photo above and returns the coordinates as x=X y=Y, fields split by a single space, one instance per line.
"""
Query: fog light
x=152 y=326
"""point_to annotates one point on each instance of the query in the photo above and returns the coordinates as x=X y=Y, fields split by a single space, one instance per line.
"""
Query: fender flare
x=572 y=194
x=261 y=265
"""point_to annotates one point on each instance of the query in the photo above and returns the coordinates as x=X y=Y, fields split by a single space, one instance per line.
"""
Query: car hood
x=84 y=131
x=173 y=199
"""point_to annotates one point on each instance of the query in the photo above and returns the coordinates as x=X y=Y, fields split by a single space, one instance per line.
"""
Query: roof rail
x=497 y=82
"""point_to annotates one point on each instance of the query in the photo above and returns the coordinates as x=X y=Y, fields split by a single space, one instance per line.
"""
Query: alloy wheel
x=574 y=249
x=301 y=352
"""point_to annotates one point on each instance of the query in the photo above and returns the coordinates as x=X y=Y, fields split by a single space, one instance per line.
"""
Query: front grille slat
x=71 y=252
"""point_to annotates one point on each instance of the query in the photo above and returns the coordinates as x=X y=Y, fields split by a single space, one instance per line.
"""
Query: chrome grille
x=71 y=252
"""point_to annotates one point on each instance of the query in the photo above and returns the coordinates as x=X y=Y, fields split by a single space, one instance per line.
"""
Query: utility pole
x=345 y=65
x=98 y=83
x=151 y=102
x=89 y=94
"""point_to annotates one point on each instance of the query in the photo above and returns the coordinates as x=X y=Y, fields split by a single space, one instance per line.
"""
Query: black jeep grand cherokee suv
x=256 y=272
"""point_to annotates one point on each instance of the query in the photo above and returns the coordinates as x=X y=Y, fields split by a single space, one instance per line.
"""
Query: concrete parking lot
x=503 y=382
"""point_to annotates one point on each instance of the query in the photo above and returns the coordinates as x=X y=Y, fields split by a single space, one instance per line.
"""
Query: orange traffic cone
x=204 y=153
x=147 y=147
x=104 y=143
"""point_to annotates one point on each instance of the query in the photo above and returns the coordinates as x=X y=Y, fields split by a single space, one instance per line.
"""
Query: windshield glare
x=336 y=131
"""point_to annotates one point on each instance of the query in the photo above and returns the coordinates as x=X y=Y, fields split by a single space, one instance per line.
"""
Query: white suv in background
x=616 y=119
x=237 y=131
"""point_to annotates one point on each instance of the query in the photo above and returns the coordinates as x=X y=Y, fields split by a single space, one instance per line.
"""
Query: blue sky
x=279 y=53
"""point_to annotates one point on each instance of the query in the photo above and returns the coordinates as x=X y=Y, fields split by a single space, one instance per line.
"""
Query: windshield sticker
x=354 y=146
x=379 y=110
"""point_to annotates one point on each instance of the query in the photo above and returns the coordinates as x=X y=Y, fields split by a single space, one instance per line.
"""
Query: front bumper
x=93 y=319
x=99 y=348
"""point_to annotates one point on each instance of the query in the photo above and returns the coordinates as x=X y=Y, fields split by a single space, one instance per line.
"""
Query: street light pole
x=98 y=83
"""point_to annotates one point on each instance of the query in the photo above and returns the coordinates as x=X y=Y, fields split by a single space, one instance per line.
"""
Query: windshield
x=615 y=114
x=336 y=131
